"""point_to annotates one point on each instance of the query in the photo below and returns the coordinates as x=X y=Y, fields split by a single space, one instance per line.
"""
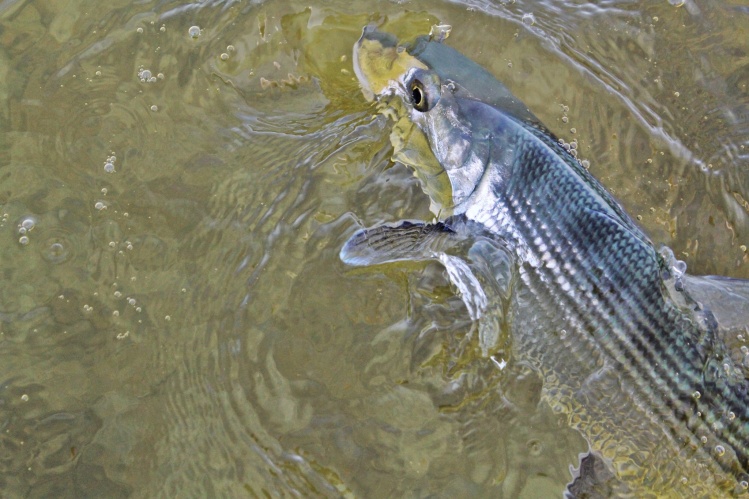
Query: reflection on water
x=174 y=316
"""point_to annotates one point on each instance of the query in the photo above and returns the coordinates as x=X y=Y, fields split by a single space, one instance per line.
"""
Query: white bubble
x=194 y=31
x=224 y=56
x=109 y=167
x=680 y=267
x=100 y=206
x=25 y=397
x=24 y=240
x=28 y=223
x=154 y=108
x=139 y=30
x=529 y=19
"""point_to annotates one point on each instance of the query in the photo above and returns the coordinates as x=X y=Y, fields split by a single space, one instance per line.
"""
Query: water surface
x=174 y=318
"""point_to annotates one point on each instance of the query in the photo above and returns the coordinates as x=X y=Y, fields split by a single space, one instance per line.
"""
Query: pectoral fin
x=401 y=241
x=478 y=267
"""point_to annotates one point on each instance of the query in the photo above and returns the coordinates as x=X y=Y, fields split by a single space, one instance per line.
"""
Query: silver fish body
x=630 y=345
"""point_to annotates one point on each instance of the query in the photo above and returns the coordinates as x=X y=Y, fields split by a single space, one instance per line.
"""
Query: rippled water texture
x=176 y=182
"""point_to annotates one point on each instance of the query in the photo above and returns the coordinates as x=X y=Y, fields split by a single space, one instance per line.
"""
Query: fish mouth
x=380 y=64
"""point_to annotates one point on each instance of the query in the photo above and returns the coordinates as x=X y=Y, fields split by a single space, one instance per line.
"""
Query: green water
x=175 y=322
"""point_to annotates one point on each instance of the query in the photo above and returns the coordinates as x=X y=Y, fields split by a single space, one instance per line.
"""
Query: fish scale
x=638 y=317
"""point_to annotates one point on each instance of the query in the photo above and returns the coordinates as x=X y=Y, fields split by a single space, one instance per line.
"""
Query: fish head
x=446 y=110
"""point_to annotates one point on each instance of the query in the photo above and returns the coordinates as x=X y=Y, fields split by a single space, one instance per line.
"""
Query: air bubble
x=139 y=30
x=194 y=31
x=529 y=19
x=696 y=395
x=100 y=206
x=23 y=240
x=28 y=223
x=224 y=56
x=154 y=108
x=25 y=397
x=719 y=450
x=109 y=167
x=56 y=252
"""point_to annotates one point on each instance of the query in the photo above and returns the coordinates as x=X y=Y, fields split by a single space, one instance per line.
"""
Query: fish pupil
x=417 y=95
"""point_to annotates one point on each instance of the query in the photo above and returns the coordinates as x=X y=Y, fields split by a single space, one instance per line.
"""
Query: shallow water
x=177 y=321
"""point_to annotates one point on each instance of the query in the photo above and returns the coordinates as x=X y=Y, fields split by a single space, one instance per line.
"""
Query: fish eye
x=424 y=89
x=418 y=97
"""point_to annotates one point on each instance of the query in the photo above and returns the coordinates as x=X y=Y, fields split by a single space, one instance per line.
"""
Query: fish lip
x=387 y=43
x=370 y=32
x=386 y=40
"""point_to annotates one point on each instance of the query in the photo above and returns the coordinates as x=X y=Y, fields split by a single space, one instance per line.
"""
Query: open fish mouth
x=380 y=65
